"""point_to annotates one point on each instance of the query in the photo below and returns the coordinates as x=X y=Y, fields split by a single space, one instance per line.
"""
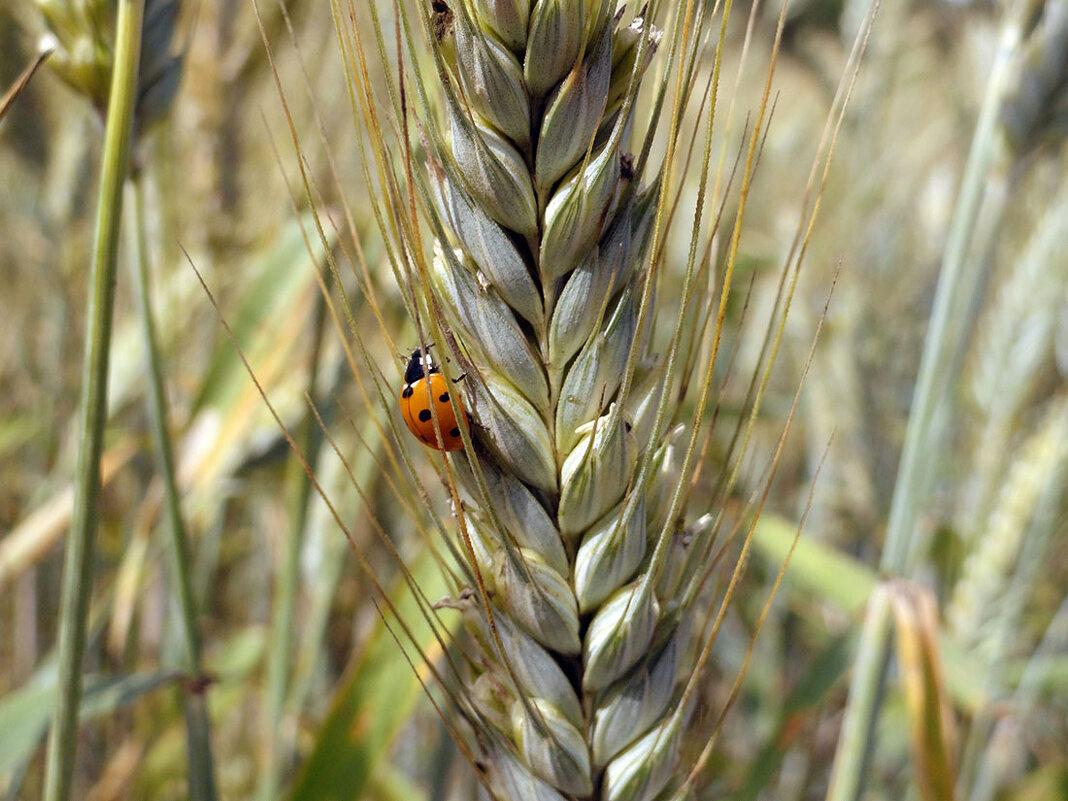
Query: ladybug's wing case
x=407 y=406
x=417 y=413
x=419 y=401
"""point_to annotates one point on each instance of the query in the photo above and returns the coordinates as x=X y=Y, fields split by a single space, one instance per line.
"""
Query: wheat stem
x=78 y=559
x=287 y=581
x=904 y=545
x=201 y=761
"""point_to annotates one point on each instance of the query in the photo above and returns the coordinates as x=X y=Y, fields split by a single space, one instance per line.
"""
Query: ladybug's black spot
x=455 y=432
x=424 y=439
x=444 y=397
x=407 y=391
x=424 y=415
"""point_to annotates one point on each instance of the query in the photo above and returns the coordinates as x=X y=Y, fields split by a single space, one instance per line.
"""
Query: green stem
x=157 y=413
x=903 y=547
x=854 y=740
x=201 y=768
x=78 y=559
x=308 y=439
x=327 y=578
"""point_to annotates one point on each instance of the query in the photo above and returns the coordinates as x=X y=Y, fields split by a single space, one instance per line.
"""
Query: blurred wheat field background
x=918 y=643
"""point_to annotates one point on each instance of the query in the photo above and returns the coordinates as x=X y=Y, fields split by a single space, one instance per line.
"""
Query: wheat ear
x=539 y=276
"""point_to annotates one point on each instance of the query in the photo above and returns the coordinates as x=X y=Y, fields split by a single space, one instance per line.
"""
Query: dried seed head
x=82 y=42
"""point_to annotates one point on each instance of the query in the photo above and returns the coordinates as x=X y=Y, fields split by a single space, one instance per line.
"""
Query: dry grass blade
x=20 y=84
x=931 y=726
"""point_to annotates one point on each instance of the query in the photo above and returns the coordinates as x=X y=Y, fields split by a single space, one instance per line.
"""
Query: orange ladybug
x=423 y=387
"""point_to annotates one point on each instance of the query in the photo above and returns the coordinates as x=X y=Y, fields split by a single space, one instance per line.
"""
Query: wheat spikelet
x=539 y=276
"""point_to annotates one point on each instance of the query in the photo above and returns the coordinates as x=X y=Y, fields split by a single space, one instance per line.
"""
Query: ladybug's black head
x=414 y=371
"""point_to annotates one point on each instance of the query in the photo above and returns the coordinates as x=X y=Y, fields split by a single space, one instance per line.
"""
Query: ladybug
x=423 y=387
